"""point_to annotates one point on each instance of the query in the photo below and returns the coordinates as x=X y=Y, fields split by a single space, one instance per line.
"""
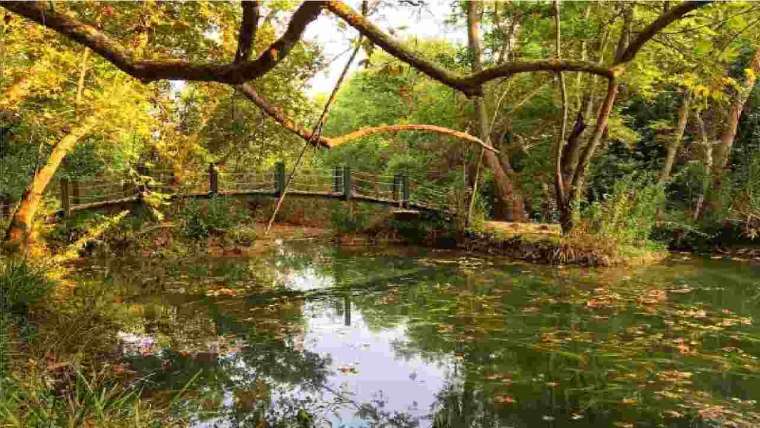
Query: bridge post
x=65 y=201
x=347 y=193
x=128 y=188
x=213 y=179
x=142 y=187
x=405 y=190
x=75 y=192
x=397 y=189
x=279 y=178
x=5 y=206
x=338 y=179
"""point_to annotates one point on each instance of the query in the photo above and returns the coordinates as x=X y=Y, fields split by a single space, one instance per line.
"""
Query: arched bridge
x=342 y=183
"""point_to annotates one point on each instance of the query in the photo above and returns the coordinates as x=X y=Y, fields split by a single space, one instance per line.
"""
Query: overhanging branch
x=361 y=133
x=470 y=84
x=277 y=114
x=174 y=69
x=667 y=18
x=280 y=117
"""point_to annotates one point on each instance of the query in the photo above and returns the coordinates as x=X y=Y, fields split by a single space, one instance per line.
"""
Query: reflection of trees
x=527 y=346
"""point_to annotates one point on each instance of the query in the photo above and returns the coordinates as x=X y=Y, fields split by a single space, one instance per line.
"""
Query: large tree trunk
x=723 y=150
x=507 y=191
x=576 y=185
x=675 y=143
x=559 y=183
x=19 y=232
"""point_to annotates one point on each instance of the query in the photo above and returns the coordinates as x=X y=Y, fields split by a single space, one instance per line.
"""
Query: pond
x=317 y=335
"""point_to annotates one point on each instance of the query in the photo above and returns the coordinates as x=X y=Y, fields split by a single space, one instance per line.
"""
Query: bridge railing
x=341 y=182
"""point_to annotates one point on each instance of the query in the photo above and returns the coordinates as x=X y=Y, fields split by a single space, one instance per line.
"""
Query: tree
x=62 y=103
x=241 y=70
x=501 y=168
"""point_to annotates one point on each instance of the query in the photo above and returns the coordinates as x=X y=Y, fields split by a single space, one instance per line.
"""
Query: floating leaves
x=504 y=399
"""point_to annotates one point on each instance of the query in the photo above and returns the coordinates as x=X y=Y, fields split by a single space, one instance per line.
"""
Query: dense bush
x=626 y=217
x=22 y=285
x=745 y=208
x=350 y=218
x=200 y=219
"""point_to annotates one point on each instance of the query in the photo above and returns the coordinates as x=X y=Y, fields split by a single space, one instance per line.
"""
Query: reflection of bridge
x=341 y=183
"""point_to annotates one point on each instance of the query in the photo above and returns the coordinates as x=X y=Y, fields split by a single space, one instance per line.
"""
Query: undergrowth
x=620 y=225
x=53 y=338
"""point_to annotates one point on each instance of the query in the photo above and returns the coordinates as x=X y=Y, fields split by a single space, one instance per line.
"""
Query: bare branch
x=596 y=138
x=248 y=28
x=175 y=69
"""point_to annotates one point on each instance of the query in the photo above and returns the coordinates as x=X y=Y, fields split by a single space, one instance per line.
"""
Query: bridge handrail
x=341 y=182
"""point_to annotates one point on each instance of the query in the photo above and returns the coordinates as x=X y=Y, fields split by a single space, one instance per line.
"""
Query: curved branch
x=280 y=117
x=277 y=114
x=240 y=72
x=548 y=65
x=336 y=141
x=470 y=84
x=174 y=69
x=656 y=26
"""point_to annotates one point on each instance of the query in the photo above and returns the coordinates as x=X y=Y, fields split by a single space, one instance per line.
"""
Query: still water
x=316 y=335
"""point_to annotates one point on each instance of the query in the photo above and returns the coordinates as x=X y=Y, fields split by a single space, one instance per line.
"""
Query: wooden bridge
x=342 y=183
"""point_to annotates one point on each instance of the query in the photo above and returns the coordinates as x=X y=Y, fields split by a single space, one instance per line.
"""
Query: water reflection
x=318 y=336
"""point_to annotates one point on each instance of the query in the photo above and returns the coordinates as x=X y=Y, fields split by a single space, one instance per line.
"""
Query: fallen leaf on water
x=347 y=369
x=504 y=399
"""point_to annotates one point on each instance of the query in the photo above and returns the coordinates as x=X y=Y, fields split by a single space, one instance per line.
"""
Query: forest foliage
x=635 y=125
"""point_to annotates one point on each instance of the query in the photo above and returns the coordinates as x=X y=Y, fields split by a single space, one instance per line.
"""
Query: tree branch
x=673 y=14
x=469 y=84
x=248 y=28
x=174 y=69
x=336 y=141
x=280 y=117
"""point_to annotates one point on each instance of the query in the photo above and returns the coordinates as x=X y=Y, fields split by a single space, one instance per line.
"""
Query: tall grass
x=201 y=219
x=745 y=207
x=42 y=383
x=622 y=221
x=96 y=400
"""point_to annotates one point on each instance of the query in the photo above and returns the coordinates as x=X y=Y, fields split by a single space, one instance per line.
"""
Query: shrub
x=746 y=204
x=200 y=219
x=350 y=218
x=625 y=218
x=22 y=285
x=72 y=228
x=242 y=235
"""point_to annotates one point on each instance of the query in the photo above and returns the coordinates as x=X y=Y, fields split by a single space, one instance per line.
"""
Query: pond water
x=316 y=335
